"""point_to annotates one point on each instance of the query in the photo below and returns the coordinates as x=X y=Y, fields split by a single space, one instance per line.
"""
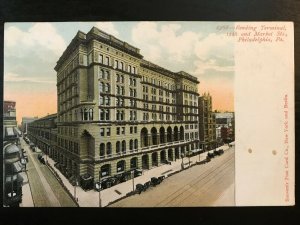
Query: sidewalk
x=27 y=200
x=26 y=197
x=91 y=198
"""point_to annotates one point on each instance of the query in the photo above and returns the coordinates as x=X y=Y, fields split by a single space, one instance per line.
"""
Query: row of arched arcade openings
x=161 y=136
x=146 y=161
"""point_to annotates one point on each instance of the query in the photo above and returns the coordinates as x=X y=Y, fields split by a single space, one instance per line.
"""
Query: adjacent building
x=43 y=133
x=13 y=161
x=118 y=111
x=25 y=122
x=207 y=123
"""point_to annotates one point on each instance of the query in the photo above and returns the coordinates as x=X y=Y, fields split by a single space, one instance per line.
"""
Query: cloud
x=40 y=35
x=203 y=67
x=214 y=52
x=107 y=27
x=164 y=42
x=12 y=77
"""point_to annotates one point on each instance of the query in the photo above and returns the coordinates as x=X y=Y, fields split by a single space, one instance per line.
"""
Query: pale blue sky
x=31 y=51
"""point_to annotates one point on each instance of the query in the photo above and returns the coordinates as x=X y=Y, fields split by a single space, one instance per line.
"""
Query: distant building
x=25 y=122
x=207 y=122
x=225 y=126
x=11 y=132
x=225 y=119
x=43 y=133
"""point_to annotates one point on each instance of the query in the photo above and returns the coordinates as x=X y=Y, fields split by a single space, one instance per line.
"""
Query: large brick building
x=117 y=111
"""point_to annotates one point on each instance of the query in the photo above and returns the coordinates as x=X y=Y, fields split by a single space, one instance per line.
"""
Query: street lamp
x=132 y=174
x=98 y=186
x=189 y=155
x=182 y=166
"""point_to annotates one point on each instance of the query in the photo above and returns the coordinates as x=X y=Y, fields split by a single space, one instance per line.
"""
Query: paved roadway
x=45 y=189
x=211 y=184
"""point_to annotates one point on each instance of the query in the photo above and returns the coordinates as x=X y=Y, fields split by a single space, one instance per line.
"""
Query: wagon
x=154 y=181
x=147 y=185
x=139 y=188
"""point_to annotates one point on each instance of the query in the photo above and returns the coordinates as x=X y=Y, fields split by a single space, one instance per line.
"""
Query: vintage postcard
x=148 y=114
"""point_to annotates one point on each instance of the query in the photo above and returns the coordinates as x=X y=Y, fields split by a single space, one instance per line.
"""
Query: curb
x=61 y=183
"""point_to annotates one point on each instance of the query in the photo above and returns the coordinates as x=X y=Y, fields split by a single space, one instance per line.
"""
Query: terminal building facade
x=117 y=111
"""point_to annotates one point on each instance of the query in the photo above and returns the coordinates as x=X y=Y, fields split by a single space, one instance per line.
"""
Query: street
x=45 y=189
x=211 y=184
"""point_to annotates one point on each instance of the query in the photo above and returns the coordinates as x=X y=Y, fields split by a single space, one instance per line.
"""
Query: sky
x=31 y=51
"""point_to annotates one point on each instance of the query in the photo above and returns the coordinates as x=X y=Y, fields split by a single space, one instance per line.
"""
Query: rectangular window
x=100 y=58
x=135 y=129
x=102 y=132
x=131 y=130
x=108 y=132
x=123 y=130
x=118 y=130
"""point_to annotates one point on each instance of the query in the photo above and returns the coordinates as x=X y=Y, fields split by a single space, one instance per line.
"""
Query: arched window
x=105 y=170
x=82 y=114
x=107 y=100
x=175 y=133
x=133 y=163
x=102 y=149
x=129 y=69
x=154 y=135
x=131 y=145
x=107 y=114
x=124 y=146
x=134 y=82
x=85 y=114
x=162 y=135
x=118 y=115
x=102 y=114
x=122 y=66
x=107 y=88
x=118 y=78
x=136 y=144
x=101 y=87
x=118 y=147
x=108 y=148
x=144 y=137
x=121 y=166
x=107 y=75
x=122 y=79
x=91 y=114
x=100 y=74
x=116 y=63
x=169 y=134
x=181 y=133
x=101 y=100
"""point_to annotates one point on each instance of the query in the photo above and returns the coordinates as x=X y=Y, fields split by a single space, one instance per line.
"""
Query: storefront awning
x=9 y=131
x=196 y=150
x=17 y=131
x=17 y=167
x=14 y=177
